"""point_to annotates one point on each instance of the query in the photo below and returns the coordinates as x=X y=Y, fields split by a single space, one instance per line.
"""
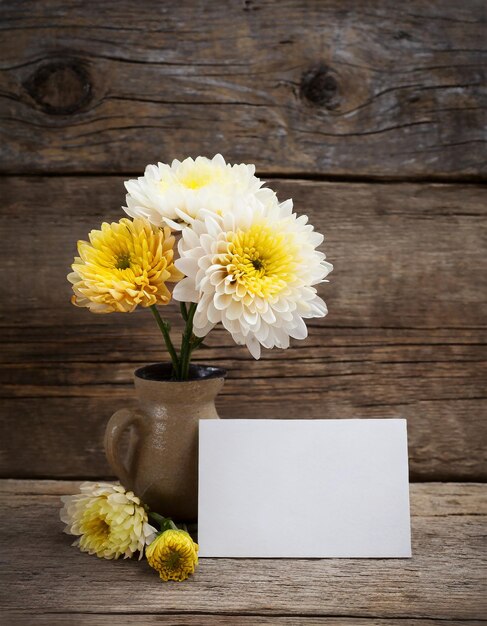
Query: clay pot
x=160 y=463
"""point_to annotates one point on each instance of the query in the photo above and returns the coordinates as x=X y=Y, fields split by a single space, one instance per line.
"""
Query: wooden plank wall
x=372 y=116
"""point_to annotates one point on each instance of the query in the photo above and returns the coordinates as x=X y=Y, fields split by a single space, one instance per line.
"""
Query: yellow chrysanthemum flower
x=125 y=264
x=255 y=271
x=173 y=554
x=109 y=521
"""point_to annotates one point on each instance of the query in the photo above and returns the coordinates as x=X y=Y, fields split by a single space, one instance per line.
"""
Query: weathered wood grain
x=444 y=580
x=333 y=87
x=143 y=619
x=405 y=335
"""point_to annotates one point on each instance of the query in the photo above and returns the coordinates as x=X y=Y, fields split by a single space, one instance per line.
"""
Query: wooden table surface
x=373 y=118
x=46 y=579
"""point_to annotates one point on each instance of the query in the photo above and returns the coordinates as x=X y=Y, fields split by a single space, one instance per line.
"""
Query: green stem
x=197 y=341
x=164 y=327
x=184 y=310
x=186 y=343
x=164 y=522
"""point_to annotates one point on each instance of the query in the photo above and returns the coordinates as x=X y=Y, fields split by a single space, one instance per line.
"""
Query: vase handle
x=117 y=424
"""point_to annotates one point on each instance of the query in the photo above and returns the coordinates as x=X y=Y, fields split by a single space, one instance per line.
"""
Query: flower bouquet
x=244 y=260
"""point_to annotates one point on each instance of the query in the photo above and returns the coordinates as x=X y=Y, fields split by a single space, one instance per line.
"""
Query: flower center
x=123 y=261
x=103 y=528
x=172 y=560
x=262 y=260
x=96 y=527
x=196 y=180
x=200 y=175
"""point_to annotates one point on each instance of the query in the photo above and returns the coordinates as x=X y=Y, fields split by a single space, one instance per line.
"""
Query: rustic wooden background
x=371 y=115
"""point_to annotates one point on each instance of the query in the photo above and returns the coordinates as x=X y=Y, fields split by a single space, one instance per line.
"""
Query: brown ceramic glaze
x=161 y=461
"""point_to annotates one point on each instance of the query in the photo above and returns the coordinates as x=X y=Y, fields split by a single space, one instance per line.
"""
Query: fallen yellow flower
x=108 y=521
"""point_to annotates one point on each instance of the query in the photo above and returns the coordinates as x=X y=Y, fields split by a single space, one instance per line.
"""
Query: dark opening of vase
x=163 y=372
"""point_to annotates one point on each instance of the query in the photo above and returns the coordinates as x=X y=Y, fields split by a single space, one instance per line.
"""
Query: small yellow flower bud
x=173 y=554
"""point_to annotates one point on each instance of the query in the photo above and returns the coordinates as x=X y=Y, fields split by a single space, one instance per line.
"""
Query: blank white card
x=303 y=488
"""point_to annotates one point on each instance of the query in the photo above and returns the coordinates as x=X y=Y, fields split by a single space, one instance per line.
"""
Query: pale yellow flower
x=173 y=554
x=125 y=264
x=174 y=194
x=109 y=521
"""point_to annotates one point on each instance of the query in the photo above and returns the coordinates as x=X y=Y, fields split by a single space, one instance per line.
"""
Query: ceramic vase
x=159 y=461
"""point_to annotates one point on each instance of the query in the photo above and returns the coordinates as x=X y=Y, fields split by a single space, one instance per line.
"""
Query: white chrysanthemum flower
x=175 y=194
x=109 y=521
x=253 y=270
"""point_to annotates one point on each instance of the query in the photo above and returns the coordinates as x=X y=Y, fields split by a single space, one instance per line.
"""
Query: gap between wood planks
x=186 y=619
x=452 y=180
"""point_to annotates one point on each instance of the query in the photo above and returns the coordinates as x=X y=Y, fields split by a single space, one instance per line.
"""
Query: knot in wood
x=319 y=86
x=60 y=87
